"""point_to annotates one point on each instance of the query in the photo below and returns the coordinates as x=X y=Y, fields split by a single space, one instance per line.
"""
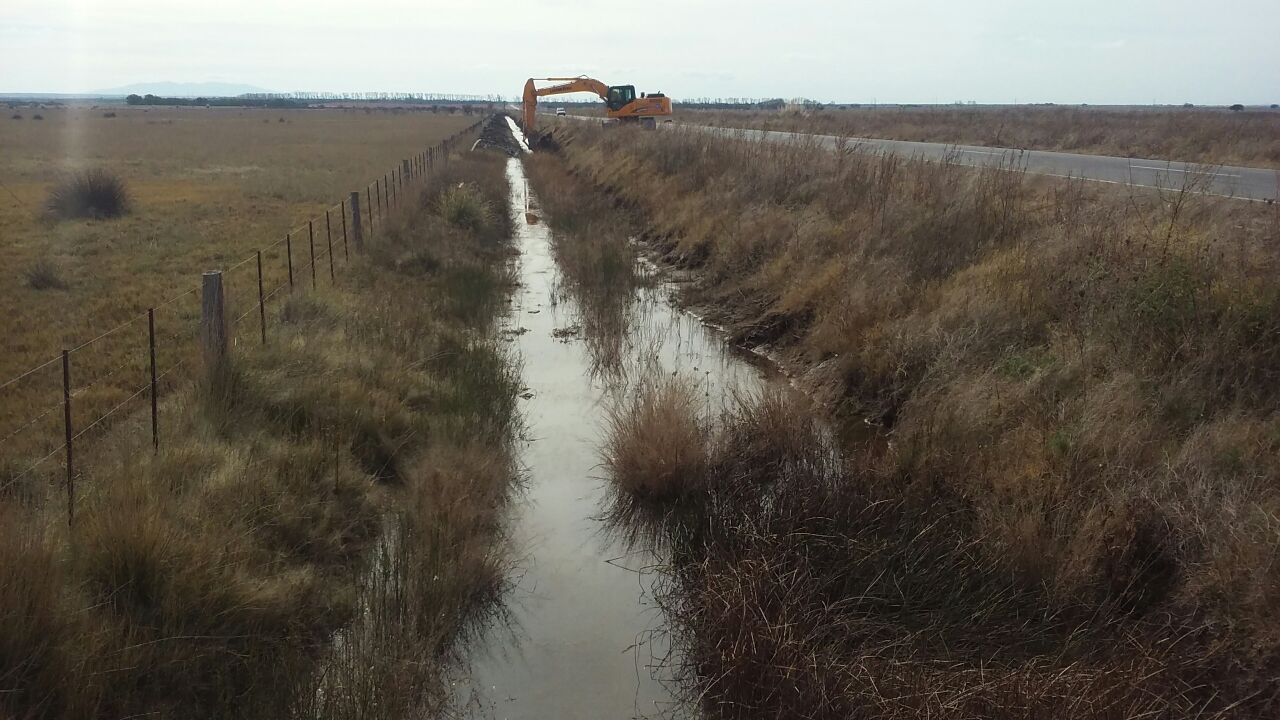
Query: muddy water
x=584 y=639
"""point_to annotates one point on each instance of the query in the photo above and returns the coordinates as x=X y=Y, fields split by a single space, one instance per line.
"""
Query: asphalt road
x=1243 y=183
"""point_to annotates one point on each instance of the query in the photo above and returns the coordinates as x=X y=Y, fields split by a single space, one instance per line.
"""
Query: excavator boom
x=620 y=100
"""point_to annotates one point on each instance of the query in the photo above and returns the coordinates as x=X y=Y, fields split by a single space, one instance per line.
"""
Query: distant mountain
x=180 y=89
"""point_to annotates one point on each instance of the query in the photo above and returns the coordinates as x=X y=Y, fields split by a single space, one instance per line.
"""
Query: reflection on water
x=585 y=640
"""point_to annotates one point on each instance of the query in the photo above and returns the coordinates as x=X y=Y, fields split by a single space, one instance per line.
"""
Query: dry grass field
x=1060 y=494
x=324 y=518
x=1219 y=136
x=207 y=187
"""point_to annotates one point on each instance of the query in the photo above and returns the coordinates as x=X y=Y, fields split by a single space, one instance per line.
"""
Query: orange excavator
x=620 y=101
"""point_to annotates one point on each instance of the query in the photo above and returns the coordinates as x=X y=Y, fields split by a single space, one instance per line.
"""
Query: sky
x=887 y=51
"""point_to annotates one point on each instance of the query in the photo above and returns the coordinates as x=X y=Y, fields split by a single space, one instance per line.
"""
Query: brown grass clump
x=1070 y=391
x=94 y=194
x=656 y=441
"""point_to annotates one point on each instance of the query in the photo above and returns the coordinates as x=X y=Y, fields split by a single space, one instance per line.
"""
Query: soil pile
x=497 y=135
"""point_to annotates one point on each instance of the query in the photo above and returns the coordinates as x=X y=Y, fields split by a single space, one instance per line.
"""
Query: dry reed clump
x=1078 y=383
x=95 y=194
x=656 y=441
x=213 y=574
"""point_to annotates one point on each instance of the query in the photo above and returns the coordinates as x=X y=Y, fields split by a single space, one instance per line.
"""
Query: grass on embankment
x=1070 y=506
x=349 y=477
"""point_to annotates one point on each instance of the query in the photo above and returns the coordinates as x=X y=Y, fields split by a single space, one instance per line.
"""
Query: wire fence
x=150 y=354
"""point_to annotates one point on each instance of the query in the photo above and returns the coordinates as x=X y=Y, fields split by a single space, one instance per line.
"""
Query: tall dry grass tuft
x=656 y=441
x=1071 y=386
x=95 y=194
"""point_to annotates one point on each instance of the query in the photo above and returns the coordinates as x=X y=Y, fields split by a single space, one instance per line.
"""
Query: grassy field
x=1060 y=491
x=1249 y=138
x=324 y=520
x=207 y=188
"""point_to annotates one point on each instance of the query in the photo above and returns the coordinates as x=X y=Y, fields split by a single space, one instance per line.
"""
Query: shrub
x=656 y=446
x=463 y=207
x=44 y=275
x=37 y=117
x=93 y=194
x=1237 y=107
x=108 y=114
x=16 y=116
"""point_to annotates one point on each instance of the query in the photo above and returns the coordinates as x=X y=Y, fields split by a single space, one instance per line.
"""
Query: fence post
x=405 y=169
x=368 y=202
x=288 y=251
x=395 y=192
x=328 y=236
x=155 y=395
x=344 y=253
x=378 y=189
x=213 y=322
x=66 y=424
x=311 y=240
x=262 y=303
x=354 y=205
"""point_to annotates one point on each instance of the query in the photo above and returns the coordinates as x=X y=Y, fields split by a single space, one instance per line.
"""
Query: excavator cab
x=620 y=96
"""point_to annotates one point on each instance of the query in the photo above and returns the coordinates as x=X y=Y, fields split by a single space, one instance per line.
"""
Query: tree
x=1237 y=107
x=134 y=100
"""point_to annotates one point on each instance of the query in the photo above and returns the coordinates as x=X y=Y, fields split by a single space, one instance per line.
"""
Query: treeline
x=149 y=99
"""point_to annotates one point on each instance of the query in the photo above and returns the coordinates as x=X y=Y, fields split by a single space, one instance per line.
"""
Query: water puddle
x=584 y=639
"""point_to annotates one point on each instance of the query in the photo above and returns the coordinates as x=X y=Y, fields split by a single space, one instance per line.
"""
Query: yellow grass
x=208 y=579
x=208 y=187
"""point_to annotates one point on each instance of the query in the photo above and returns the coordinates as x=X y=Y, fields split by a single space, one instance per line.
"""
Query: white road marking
x=1169 y=169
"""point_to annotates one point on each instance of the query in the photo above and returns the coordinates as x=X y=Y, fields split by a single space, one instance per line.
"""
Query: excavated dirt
x=497 y=135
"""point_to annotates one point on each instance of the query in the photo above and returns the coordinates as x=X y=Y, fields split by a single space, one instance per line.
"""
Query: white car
x=560 y=111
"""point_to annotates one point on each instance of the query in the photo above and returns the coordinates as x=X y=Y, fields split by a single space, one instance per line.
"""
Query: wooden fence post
x=406 y=170
x=213 y=322
x=357 y=230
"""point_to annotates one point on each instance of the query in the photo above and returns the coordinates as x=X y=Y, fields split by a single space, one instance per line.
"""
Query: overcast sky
x=995 y=51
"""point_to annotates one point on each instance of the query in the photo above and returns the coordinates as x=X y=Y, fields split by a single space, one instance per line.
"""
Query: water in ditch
x=584 y=639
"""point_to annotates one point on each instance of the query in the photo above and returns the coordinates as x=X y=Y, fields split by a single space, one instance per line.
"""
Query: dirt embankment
x=1076 y=392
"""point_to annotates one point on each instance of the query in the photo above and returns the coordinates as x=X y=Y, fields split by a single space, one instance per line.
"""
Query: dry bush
x=95 y=194
x=44 y=275
x=1078 y=382
x=656 y=441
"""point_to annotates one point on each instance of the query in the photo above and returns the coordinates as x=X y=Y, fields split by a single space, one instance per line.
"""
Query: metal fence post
x=311 y=240
x=262 y=303
x=155 y=395
x=66 y=424
x=288 y=251
x=213 y=322
x=328 y=236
